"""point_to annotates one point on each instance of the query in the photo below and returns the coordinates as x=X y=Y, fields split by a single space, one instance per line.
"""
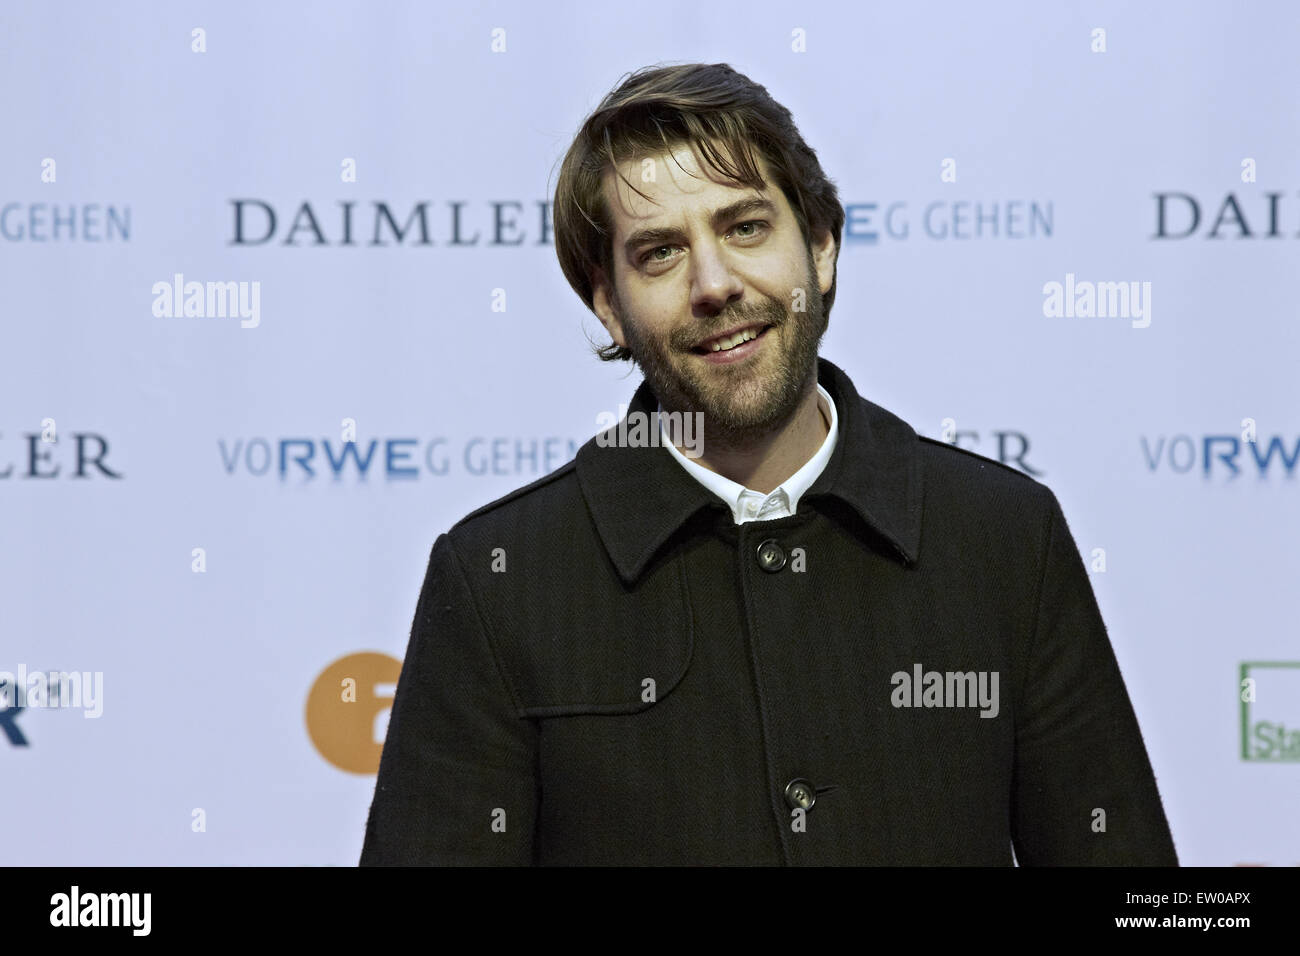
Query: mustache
x=772 y=313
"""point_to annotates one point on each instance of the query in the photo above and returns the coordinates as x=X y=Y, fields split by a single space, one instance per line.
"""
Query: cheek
x=657 y=312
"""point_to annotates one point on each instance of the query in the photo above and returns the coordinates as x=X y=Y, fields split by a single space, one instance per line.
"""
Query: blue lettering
x=300 y=459
x=266 y=456
x=349 y=448
x=1275 y=443
x=1038 y=219
x=229 y=460
x=1228 y=458
x=469 y=464
x=929 y=227
x=959 y=220
x=441 y=467
x=856 y=227
x=393 y=454
x=7 y=716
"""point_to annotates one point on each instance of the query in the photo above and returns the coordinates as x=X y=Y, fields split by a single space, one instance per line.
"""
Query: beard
x=747 y=401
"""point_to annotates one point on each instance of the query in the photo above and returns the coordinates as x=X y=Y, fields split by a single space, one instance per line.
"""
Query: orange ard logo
x=347 y=710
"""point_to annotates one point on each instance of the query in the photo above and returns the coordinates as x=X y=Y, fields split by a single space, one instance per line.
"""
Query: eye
x=757 y=226
x=652 y=255
x=750 y=229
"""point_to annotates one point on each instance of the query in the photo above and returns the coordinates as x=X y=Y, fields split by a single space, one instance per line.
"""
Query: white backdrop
x=204 y=588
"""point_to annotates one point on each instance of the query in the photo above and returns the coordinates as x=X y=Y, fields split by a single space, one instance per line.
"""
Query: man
x=818 y=638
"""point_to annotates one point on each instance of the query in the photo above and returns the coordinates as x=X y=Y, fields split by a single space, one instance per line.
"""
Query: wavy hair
x=726 y=117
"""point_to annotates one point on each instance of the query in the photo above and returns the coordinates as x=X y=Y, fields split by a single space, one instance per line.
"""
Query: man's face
x=688 y=268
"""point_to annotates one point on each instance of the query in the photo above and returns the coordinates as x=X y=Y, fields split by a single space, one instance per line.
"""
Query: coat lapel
x=639 y=496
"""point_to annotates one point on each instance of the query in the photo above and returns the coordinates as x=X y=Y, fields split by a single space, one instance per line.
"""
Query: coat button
x=800 y=794
x=770 y=556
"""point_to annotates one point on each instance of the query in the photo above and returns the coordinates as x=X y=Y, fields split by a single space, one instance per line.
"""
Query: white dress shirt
x=749 y=505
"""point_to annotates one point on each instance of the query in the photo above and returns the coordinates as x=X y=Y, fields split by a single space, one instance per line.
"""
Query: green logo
x=1270 y=692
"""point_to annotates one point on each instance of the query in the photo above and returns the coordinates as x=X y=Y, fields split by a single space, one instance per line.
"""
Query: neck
x=765 y=462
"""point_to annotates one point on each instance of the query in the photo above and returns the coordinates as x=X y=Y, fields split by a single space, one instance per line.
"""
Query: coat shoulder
x=568 y=636
x=552 y=497
x=947 y=462
x=965 y=489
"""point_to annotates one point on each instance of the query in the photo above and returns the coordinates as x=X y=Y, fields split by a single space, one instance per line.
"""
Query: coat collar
x=638 y=496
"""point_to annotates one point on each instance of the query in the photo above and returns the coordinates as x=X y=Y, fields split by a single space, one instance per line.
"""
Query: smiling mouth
x=748 y=335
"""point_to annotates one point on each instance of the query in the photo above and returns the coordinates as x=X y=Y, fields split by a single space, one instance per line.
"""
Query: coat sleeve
x=457 y=778
x=1084 y=792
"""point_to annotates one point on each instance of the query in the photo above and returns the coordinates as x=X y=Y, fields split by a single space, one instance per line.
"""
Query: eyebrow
x=662 y=235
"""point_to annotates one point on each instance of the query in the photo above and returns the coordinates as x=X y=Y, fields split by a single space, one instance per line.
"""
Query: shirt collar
x=638 y=496
x=792 y=489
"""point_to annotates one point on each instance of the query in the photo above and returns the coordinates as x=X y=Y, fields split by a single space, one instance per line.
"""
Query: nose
x=714 y=283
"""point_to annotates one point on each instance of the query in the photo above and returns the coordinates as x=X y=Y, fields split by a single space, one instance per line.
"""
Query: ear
x=604 y=303
x=823 y=253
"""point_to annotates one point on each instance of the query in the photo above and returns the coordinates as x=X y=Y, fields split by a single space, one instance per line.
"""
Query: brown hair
x=658 y=109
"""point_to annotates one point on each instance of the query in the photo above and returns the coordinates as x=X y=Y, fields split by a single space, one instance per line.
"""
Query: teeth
x=722 y=345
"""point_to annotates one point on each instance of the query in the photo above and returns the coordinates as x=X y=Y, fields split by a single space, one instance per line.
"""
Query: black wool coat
x=604 y=668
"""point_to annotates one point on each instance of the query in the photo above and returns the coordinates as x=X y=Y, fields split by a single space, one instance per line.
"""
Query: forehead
x=674 y=182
